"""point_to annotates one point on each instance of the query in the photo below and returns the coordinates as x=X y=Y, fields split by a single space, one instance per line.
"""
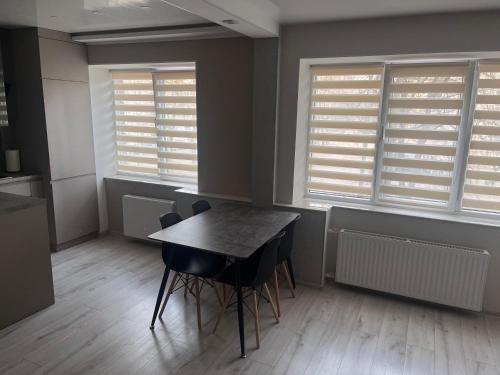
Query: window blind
x=3 y=102
x=344 y=114
x=424 y=114
x=155 y=116
x=175 y=95
x=135 y=115
x=482 y=179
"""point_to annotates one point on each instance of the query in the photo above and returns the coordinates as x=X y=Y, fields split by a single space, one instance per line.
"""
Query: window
x=482 y=183
x=424 y=135
x=343 y=127
x=424 y=113
x=155 y=117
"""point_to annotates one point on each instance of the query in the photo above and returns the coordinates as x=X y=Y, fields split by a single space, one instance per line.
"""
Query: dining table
x=231 y=229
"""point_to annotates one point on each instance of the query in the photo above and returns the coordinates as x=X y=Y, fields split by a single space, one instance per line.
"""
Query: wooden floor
x=105 y=294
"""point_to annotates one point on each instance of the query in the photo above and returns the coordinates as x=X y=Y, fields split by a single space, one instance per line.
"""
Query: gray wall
x=402 y=35
x=265 y=95
x=224 y=72
x=116 y=189
x=462 y=32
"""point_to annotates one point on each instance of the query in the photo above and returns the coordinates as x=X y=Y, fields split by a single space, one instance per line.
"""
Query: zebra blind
x=175 y=94
x=155 y=116
x=4 y=121
x=136 y=135
x=424 y=116
x=482 y=179
x=343 y=123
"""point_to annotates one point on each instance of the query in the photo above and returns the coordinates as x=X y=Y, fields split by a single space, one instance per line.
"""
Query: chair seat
x=197 y=263
x=228 y=276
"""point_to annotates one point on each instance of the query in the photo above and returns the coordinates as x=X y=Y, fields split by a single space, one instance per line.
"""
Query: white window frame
x=465 y=131
x=190 y=66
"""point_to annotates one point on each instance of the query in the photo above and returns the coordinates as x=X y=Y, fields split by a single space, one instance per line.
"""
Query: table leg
x=160 y=295
x=239 y=294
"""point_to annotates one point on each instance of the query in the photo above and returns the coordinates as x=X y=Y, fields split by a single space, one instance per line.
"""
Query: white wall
x=101 y=96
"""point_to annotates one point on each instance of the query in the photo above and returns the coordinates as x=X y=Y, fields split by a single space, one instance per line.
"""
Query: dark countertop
x=13 y=202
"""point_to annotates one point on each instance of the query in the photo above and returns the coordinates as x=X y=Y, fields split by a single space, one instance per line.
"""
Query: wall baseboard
x=76 y=241
x=307 y=283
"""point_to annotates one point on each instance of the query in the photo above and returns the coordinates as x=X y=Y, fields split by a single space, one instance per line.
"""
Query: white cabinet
x=75 y=207
x=69 y=128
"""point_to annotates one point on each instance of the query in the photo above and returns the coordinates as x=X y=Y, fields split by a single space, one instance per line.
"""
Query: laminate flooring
x=105 y=294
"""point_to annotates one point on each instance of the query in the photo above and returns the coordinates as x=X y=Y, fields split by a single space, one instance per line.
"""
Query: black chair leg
x=290 y=270
x=160 y=296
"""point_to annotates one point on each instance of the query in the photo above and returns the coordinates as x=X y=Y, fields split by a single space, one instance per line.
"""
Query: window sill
x=153 y=181
x=194 y=191
x=179 y=187
x=320 y=204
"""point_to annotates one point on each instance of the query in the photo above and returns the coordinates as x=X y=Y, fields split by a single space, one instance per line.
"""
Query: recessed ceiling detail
x=254 y=18
x=93 y=15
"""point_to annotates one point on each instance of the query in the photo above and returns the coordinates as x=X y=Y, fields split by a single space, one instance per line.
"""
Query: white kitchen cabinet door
x=75 y=207
x=69 y=128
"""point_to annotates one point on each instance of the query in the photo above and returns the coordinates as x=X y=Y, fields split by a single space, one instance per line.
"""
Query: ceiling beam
x=155 y=34
x=256 y=18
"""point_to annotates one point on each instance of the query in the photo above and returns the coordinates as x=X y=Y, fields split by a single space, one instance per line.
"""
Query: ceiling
x=254 y=18
x=321 y=10
x=93 y=15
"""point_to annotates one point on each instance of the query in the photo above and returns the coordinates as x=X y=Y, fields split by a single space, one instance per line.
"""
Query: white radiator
x=449 y=275
x=141 y=215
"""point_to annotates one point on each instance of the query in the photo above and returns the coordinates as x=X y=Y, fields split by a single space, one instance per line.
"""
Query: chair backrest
x=200 y=206
x=286 y=244
x=166 y=221
x=266 y=260
x=169 y=219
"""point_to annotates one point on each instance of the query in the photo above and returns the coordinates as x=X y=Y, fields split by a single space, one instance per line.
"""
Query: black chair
x=200 y=206
x=285 y=261
x=255 y=272
x=189 y=265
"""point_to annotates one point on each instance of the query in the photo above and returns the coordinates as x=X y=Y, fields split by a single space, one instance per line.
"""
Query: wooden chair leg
x=256 y=318
x=266 y=289
x=277 y=292
x=227 y=299
x=198 y=305
x=217 y=293
x=171 y=287
x=288 y=280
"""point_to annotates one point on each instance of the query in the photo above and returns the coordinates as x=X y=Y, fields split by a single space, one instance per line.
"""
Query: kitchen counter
x=25 y=268
x=14 y=202
x=9 y=178
x=23 y=183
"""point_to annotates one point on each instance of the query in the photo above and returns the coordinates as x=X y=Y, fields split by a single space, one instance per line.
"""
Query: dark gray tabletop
x=231 y=229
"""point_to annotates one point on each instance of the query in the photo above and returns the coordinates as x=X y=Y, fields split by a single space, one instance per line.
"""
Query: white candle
x=12 y=162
